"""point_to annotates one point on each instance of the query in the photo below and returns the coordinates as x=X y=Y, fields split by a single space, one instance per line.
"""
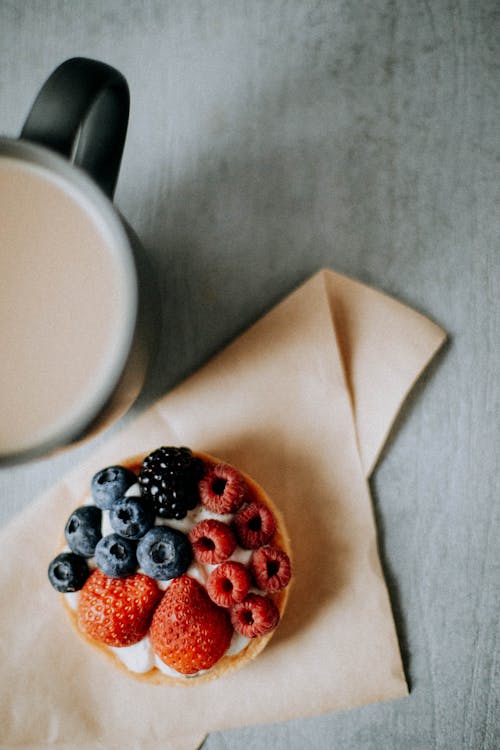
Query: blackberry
x=169 y=479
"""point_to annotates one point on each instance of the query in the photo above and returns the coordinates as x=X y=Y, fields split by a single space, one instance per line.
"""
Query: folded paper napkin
x=303 y=401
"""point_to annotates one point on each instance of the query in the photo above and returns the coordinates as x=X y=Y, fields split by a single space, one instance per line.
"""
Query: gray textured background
x=268 y=139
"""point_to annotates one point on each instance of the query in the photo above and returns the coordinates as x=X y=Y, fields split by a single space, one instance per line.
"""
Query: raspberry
x=228 y=584
x=212 y=541
x=254 y=525
x=117 y=611
x=255 y=615
x=188 y=631
x=169 y=480
x=222 y=489
x=271 y=569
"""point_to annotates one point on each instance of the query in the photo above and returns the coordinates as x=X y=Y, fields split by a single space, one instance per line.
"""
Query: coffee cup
x=78 y=306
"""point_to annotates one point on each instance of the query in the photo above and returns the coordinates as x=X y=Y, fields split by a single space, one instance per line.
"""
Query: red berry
x=212 y=541
x=254 y=525
x=255 y=615
x=117 y=611
x=222 y=489
x=189 y=632
x=271 y=569
x=228 y=584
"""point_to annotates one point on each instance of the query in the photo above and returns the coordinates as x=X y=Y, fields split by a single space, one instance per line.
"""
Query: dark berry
x=68 y=572
x=115 y=556
x=228 y=584
x=255 y=615
x=254 y=525
x=110 y=484
x=169 y=479
x=131 y=518
x=212 y=541
x=164 y=553
x=222 y=489
x=271 y=569
x=83 y=530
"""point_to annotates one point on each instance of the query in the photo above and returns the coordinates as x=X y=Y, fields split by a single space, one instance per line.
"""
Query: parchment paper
x=303 y=401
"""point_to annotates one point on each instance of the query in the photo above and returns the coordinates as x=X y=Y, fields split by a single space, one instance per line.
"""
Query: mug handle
x=82 y=113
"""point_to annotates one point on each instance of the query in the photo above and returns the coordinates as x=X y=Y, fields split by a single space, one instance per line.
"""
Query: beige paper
x=303 y=401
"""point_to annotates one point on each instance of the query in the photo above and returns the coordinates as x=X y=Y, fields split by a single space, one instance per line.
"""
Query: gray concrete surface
x=268 y=139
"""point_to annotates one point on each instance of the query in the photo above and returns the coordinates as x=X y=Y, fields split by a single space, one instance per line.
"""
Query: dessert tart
x=176 y=566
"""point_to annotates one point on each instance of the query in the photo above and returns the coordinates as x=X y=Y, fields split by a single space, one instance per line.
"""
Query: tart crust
x=226 y=664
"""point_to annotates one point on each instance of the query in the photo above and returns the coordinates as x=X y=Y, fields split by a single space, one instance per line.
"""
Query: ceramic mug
x=78 y=306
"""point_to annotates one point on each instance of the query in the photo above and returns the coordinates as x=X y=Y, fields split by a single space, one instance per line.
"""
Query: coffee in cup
x=67 y=307
x=79 y=309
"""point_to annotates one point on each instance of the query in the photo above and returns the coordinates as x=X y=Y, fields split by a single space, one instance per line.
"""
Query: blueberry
x=164 y=553
x=131 y=518
x=83 y=530
x=110 y=484
x=68 y=572
x=115 y=556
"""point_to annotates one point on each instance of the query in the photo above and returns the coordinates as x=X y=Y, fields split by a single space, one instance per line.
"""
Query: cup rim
x=84 y=189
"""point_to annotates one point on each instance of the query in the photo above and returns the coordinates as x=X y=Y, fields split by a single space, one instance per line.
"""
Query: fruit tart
x=176 y=565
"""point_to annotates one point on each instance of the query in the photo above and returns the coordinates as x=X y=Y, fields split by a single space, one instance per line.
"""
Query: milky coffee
x=63 y=307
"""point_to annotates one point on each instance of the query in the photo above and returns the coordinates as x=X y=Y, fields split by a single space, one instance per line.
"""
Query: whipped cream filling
x=140 y=657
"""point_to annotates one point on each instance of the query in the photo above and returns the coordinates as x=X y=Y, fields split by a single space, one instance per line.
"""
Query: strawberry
x=117 y=611
x=188 y=631
x=212 y=541
x=271 y=568
x=228 y=584
x=222 y=489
